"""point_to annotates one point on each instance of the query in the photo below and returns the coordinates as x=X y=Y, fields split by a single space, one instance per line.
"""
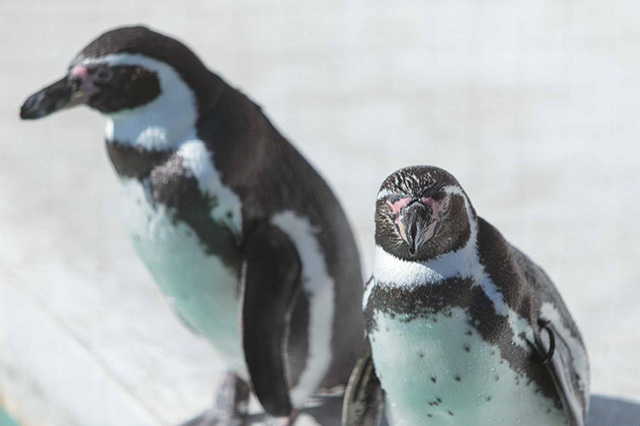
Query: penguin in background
x=246 y=240
x=463 y=328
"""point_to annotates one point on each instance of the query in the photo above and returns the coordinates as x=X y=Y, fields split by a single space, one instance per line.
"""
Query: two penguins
x=256 y=255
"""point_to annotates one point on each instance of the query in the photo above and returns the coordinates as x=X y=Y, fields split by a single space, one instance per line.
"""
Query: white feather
x=198 y=159
x=320 y=288
x=367 y=292
x=383 y=193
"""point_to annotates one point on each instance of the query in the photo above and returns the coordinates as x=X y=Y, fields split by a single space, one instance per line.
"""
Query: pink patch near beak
x=80 y=71
x=437 y=207
x=87 y=88
x=395 y=208
x=398 y=205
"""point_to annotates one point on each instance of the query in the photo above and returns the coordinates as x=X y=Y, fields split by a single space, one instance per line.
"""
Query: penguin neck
x=463 y=262
x=142 y=138
x=154 y=127
x=392 y=270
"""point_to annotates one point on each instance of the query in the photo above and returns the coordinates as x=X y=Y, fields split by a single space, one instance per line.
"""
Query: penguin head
x=421 y=213
x=127 y=70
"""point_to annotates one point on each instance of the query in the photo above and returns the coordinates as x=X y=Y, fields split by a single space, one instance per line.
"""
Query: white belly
x=430 y=377
x=200 y=286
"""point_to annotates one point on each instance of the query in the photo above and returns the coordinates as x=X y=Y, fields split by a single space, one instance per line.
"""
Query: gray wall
x=533 y=105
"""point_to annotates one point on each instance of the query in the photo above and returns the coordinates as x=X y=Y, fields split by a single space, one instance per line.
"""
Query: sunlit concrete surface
x=534 y=106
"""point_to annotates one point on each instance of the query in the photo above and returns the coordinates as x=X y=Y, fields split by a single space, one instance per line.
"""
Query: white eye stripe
x=451 y=189
x=384 y=193
x=454 y=190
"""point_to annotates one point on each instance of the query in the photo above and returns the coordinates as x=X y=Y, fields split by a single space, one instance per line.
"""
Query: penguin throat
x=148 y=132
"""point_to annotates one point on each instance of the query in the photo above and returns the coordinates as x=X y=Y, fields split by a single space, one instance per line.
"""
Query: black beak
x=414 y=220
x=55 y=97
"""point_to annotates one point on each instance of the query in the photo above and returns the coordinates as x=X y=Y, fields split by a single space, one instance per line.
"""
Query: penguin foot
x=230 y=405
x=281 y=421
x=215 y=418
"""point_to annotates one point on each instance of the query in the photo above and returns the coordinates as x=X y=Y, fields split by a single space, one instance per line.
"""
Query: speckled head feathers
x=421 y=213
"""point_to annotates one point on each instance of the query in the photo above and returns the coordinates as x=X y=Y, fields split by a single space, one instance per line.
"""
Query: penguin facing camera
x=463 y=328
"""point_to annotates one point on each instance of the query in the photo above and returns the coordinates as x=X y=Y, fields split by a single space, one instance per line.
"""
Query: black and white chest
x=184 y=222
x=447 y=348
x=185 y=225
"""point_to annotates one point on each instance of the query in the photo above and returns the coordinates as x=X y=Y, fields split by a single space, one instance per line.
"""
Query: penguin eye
x=446 y=202
x=103 y=75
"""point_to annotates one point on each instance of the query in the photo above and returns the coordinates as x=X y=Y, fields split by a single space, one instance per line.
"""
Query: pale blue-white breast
x=433 y=361
x=200 y=285
x=440 y=371
x=449 y=349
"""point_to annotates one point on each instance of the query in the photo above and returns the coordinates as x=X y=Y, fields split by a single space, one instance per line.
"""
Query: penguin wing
x=364 y=397
x=557 y=357
x=270 y=284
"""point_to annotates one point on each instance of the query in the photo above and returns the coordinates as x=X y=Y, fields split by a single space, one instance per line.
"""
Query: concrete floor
x=534 y=106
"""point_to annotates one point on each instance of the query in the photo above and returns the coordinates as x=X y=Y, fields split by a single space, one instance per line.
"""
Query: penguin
x=463 y=328
x=243 y=236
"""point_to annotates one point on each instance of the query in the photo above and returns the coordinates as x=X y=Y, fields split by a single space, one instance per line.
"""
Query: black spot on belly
x=433 y=379
x=435 y=403
x=450 y=412
x=467 y=348
x=457 y=378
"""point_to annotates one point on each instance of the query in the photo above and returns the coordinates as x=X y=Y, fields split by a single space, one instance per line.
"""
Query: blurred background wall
x=533 y=105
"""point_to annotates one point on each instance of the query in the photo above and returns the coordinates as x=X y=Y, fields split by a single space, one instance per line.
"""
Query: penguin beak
x=413 y=224
x=73 y=89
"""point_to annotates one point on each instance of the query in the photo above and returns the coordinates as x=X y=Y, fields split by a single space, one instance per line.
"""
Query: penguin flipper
x=270 y=284
x=556 y=356
x=364 y=397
